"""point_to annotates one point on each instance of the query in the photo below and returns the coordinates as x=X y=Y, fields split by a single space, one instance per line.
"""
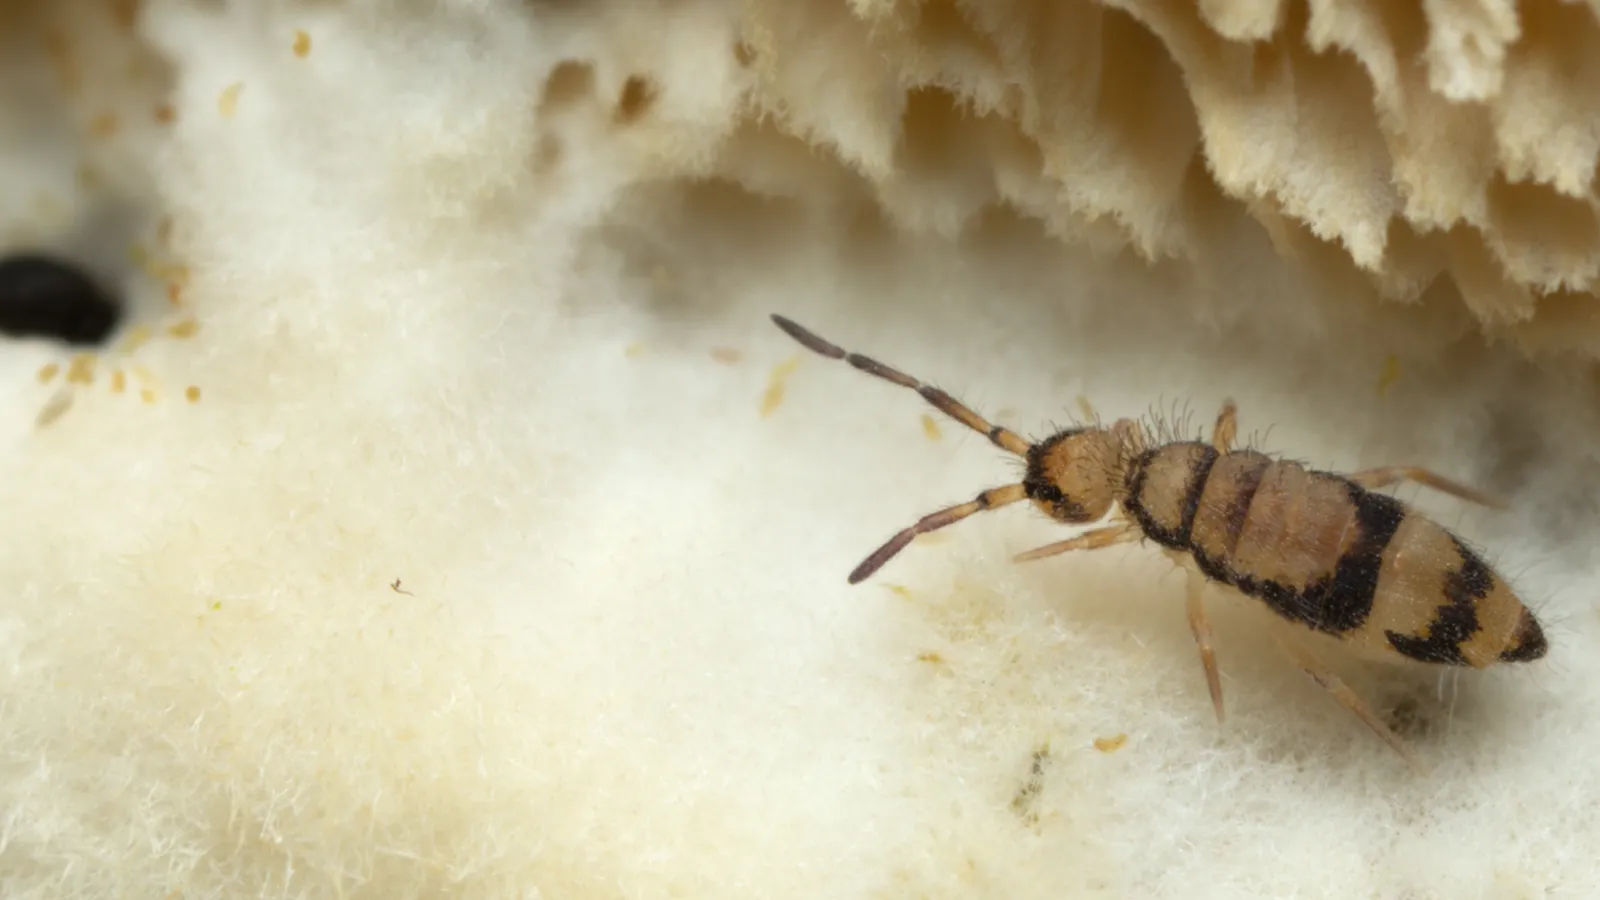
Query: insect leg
x=1226 y=428
x=1347 y=698
x=1387 y=475
x=1090 y=540
x=990 y=499
x=1200 y=626
x=1001 y=437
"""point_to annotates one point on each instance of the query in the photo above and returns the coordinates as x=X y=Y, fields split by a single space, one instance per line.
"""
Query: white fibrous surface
x=450 y=519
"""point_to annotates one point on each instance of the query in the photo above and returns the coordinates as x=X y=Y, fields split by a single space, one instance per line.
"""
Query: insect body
x=1322 y=550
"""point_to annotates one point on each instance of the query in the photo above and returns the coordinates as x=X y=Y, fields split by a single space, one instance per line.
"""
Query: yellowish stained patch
x=1110 y=744
x=104 y=125
x=1389 y=375
x=184 y=330
x=165 y=114
x=48 y=372
x=777 y=385
x=228 y=100
x=177 y=273
x=192 y=394
x=726 y=355
x=81 y=369
x=901 y=591
x=119 y=381
x=126 y=13
x=930 y=427
x=633 y=349
x=302 y=44
x=930 y=658
x=147 y=395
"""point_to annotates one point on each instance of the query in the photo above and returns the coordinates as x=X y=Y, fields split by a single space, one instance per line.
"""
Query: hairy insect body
x=1324 y=551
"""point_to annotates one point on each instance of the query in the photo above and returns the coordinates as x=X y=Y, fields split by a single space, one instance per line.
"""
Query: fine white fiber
x=449 y=519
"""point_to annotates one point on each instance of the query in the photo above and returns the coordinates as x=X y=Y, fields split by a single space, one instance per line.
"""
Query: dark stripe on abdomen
x=1164 y=491
x=1199 y=474
x=1345 y=602
x=1342 y=600
x=1457 y=621
x=1238 y=508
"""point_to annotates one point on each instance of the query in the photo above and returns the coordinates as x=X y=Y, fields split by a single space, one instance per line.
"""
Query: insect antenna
x=1001 y=437
x=990 y=499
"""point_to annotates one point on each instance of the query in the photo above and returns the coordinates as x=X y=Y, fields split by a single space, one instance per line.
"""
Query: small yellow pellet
x=1110 y=744
x=81 y=369
x=777 y=384
x=228 y=100
x=1389 y=375
x=104 y=125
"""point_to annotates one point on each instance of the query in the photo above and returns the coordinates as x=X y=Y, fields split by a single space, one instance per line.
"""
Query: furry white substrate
x=478 y=570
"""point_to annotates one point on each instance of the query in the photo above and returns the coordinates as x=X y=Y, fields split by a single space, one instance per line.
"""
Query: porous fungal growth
x=444 y=516
x=1447 y=151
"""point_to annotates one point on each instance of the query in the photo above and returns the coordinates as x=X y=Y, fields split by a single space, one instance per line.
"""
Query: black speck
x=43 y=297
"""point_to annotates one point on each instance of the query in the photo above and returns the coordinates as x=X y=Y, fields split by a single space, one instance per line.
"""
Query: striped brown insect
x=1325 y=551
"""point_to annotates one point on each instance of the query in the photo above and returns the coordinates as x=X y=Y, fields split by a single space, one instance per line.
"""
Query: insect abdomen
x=1324 y=552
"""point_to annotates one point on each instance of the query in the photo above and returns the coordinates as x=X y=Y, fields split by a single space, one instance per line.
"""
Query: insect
x=1324 y=551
